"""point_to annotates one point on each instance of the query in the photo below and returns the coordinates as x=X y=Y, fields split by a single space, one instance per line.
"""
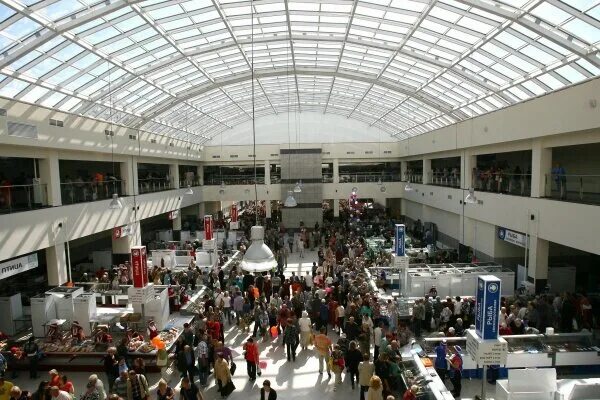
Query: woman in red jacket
x=251 y=356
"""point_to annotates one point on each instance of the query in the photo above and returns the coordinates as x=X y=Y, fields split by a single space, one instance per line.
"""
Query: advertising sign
x=173 y=215
x=486 y=352
x=122 y=231
x=399 y=240
x=513 y=237
x=234 y=213
x=137 y=266
x=18 y=265
x=144 y=266
x=487 y=311
x=208 y=227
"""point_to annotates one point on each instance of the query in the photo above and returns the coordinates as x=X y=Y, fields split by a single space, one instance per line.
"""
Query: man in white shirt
x=377 y=335
x=340 y=315
x=219 y=298
x=308 y=281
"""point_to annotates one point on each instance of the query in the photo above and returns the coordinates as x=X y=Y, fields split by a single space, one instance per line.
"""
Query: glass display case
x=527 y=351
x=573 y=348
x=413 y=372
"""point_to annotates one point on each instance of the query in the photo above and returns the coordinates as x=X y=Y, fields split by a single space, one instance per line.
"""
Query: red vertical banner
x=144 y=266
x=234 y=213
x=136 y=266
x=208 y=227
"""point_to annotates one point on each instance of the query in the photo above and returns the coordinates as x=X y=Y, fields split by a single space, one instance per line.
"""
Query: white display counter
x=527 y=384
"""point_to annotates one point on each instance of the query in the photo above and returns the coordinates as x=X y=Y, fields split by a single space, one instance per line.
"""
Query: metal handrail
x=23 y=197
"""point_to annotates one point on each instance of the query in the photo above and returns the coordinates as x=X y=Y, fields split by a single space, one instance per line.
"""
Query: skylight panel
x=26 y=59
x=550 y=81
x=510 y=40
x=165 y=12
x=12 y=88
x=550 y=13
x=43 y=68
x=434 y=26
x=21 y=28
x=294 y=5
x=444 y=14
x=570 y=73
x=102 y=35
x=583 y=30
x=475 y=25
x=408 y=5
x=60 y=8
x=456 y=34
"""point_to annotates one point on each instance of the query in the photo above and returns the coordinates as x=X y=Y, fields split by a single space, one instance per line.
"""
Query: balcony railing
x=15 y=198
x=367 y=177
x=413 y=178
x=151 y=185
x=573 y=188
x=86 y=191
x=327 y=177
x=183 y=183
x=444 y=179
x=500 y=182
x=234 y=180
x=275 y=179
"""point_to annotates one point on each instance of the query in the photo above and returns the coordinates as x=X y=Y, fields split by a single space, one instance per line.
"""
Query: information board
x=487 y=303
x=399 y=240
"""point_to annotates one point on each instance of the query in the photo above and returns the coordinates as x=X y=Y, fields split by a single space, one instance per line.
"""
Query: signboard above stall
x=18 y=265
x=516 y=238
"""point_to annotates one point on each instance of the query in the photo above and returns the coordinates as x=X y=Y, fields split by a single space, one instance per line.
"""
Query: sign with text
x=234 y=213
x=122 y=231
x=208 y=227
x=18 y=265
x=486 y=352
x=140 y=295
x=144 y=266
x=487 y=307
x=399 y=240
x=513 y=237
x=401 y=262
x=138 y=255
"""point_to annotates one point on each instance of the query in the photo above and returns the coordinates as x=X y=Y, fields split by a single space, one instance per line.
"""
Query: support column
x=50 y=176
x=121 y=247
x=466 y=172
x=268 y=210
x=541 y=164
x=129 y=173
x=267 y=173
x=56 y=260
x=336 y=208
x=177 y=226
x=427 y=171
x=174 y=174
x=403 y=170
x=336 y=174
x=200 y=174
x=537 y=270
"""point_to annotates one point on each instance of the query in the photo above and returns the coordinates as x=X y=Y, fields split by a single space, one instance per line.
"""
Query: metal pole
x=69 y=272
x=483 y=382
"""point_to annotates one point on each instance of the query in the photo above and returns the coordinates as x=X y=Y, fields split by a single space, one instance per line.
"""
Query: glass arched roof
x=182 y=68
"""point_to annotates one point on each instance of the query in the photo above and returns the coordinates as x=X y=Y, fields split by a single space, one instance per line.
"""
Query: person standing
x=252 y=357
x=365 y=372
x=301 y=246
x=456 y=364
x=353 y=359
x=337 y=365
x=111 y=367
x=323 y=347
x=164 y=391
x=305 y=330
x=375 y=391
x=121 y=384
x=441 y=364
x=266 y=392
x=189 y=391
x=377 y=335
x=31 y=349
x=222 y=373
x=290 y=340
x=137 y=387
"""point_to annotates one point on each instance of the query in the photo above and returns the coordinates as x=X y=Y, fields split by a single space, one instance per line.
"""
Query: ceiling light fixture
x=189 y=191
x=258 y=257
x=408 y=187
x=290 y=201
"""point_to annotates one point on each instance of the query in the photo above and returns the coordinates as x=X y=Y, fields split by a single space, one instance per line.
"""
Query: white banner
x=18 y=265
x=513 y=237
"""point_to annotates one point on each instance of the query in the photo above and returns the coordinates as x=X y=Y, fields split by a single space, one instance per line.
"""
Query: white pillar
x=403 y=170
x=56 y=260
x=174 y=174
x=267 y=173
x=336 y=174
x=538 y=262
x=129 y=174
x=427 y=171
x=177 y=222
x=50 y=176
x=200 y=174
x=541 y=165
x=268 y=208
x=336 y=208
x=466 y=173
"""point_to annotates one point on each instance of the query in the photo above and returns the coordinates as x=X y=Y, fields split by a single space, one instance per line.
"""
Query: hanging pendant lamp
x=408 y=187
x=189 y=190
x=115 y=203
x=471 y=199
x=258 y=257
x=297 y=188
x=290 y=201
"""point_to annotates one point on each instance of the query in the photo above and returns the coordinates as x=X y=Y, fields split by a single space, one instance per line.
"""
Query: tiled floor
x=296 y=380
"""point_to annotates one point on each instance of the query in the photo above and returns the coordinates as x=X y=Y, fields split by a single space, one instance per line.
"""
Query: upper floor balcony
x=15 y=198
x=573 y=188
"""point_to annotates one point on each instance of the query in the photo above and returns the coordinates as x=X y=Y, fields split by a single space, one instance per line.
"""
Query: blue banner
x=487 y=312
x=399 y=240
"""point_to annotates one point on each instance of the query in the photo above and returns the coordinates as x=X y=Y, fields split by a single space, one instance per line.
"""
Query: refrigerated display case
x=414 y=372
x=573 y=348
x=429 y=345
x=527 y=351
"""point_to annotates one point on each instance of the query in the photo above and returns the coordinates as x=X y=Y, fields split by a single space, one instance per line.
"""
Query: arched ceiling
x=183 y=68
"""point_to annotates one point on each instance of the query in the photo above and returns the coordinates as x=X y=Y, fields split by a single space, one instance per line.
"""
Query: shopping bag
x=232 y=368
x=227 y=389
x=262 y=365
